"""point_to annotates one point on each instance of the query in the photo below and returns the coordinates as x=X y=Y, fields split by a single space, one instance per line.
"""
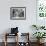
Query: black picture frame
x=17 y=13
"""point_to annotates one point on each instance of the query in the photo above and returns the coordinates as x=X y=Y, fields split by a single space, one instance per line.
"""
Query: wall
x=24 y=25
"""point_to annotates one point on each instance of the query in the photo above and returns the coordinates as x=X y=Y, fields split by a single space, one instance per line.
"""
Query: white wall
x=24 y=25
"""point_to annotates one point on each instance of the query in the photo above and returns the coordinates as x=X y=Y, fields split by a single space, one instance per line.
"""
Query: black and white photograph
x=18 y=13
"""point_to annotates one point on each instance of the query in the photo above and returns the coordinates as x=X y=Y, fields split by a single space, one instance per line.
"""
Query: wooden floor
x=13 y=44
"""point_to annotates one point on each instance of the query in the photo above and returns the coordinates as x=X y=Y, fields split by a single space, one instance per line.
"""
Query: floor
x=13 y=44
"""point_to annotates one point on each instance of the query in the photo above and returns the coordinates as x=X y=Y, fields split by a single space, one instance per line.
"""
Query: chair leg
x=5 y=43
x=5 y=40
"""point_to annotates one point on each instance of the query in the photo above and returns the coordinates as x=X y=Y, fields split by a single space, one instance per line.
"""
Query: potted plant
x=39 y=35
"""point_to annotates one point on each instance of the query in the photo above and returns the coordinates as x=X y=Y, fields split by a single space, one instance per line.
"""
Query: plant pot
x=40 y=41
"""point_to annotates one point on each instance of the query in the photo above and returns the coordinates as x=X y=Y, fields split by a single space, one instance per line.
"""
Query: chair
x=14 y=32
x=7 y=35
x=26 y=41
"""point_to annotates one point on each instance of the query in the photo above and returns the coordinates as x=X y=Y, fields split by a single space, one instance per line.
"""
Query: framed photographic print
x=41 y=8
x=18 y=13
x=41 y=12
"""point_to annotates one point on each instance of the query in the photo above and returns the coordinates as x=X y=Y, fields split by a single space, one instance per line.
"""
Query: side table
x=8 y=34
